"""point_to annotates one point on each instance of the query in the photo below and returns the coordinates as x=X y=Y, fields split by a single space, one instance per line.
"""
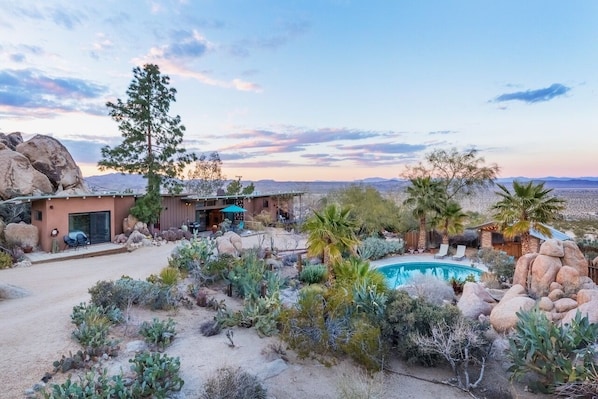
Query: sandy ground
x=36 y=330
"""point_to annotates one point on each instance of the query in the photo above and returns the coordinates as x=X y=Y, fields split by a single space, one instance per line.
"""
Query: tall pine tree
x=152 y=139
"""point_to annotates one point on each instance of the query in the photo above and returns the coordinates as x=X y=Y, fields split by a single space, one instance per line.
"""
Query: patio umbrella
x=232 y=209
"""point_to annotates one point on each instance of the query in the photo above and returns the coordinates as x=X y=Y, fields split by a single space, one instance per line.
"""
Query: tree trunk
x=525 y=244
x=421 y=242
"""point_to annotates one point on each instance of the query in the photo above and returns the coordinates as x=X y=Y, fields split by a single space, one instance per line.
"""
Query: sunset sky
x=316 y=89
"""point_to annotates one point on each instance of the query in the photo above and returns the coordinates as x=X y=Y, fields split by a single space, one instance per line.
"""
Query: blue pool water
x=401 y=273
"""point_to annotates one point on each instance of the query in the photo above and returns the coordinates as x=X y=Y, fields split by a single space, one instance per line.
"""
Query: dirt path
x=35 y=330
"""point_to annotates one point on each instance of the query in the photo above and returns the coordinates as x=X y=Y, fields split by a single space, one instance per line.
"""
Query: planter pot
x=27 y=249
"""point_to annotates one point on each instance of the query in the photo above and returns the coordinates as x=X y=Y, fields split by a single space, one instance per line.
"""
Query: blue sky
x=316 y=90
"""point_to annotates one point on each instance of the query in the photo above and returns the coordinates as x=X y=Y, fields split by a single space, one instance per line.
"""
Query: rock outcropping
x=39 y=166
x=555 y=279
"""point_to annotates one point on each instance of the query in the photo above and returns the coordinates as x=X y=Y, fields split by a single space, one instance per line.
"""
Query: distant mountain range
x=120 y=183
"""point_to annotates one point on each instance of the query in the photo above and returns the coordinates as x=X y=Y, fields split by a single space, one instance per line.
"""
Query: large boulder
x=50 y=157
x=18 y=177
x=522 y=269
x=575 y=258
x=11 y=140
x=475 y=301
x=568 y=277
x=544 y=271
x=589 y=309
x=552 y=247
x=504 y=315
x=22 y=234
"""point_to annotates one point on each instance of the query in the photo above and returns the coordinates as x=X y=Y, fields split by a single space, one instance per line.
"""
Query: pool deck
x=426 y=258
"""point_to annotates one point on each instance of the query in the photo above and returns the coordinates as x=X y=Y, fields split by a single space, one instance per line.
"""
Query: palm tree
x=450 y=220
x=330 y=233
x=424 y=195
x=528 y=207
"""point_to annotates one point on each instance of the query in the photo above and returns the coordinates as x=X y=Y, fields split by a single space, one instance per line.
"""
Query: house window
x=265 y=203
x=38 y=215
x=96 y=225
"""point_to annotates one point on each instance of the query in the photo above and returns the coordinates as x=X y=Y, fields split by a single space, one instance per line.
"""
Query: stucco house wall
x=53 y=212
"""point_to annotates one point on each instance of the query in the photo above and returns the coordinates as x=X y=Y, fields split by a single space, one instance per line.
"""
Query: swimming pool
x=402 y=273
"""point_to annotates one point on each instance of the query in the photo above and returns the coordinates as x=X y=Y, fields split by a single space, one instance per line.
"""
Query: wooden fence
x=593 y=272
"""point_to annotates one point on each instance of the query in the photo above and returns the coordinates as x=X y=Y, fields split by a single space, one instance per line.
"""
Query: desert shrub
x=91 y=385
x=462 y=345
x=85 y=311
x=373 y=248
x=336 y=321
x=579 y=389
x=210 y=327
x=218 y=266
x=233 y=383
x=290 y=260
x=158 y=333
x=93 y=331
x=251 y=276
x=6 y=260
x=169 y=276
x=157 y=375
x=304 y=326
x=554 y=354
x=261 y=313
x=362 y=386
x=313 y=274
x=432 y=289
x=353 y=271
x=490 y=280
x=192 y=254
x=125 y=292
x=365 y=345
x=369 y=301
x=405 y=316
x=498 y=262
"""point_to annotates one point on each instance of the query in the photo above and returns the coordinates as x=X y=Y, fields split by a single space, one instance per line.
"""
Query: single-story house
x=491 y=237
x=100 y=215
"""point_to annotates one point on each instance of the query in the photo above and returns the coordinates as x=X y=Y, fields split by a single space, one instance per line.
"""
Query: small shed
x=490 y=236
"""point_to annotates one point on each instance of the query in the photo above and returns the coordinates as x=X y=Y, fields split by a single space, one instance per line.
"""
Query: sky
x=316 y=89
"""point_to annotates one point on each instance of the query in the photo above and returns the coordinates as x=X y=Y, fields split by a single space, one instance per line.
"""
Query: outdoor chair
x=442 y=252
x=460 y=255
x=75 y=239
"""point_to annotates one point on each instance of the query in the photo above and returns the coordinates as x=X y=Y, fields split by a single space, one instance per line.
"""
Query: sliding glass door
x=96 y=225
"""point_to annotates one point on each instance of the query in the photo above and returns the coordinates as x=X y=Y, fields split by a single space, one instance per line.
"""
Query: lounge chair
x=442 y=252
x=460 y=255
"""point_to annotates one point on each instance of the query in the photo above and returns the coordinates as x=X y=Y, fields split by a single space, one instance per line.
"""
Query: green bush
x=158 y=333
x=373 y=248
x=157 y=375
x=355 y=271
x=126 y=291
x=365 y=345
x=192 y=254
x=250 y=277
x=218 y=267
x=314 y=274
x=555 y=354
x=6 y=260
x=85 y=311
x=233 y=383
x=169 y=276
x=498 y=262
x=406 y=316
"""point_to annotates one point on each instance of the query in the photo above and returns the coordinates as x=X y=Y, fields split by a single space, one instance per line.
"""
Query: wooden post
x=299 y=264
